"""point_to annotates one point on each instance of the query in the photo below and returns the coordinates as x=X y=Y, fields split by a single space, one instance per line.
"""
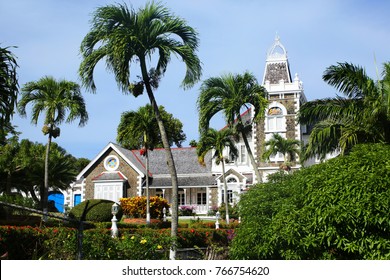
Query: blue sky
x=234 y=37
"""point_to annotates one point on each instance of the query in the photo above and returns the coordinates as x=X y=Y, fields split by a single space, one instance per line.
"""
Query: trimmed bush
x=94 y=210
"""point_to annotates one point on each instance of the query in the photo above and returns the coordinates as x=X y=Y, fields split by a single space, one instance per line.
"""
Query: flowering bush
x=135 y=207
x=61 y=243
x=186 y=210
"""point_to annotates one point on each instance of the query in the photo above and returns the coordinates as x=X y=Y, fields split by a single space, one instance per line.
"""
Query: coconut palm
x=217 y=141
x=59 y=101
x=8 y=91
x=230 y=94
x=361 y=116
x=123 y=36
x=288 y=147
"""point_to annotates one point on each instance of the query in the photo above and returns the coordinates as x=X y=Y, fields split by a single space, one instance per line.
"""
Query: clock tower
x=285 y=95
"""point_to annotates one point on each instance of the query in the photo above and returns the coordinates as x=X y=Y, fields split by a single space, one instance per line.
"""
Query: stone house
x=117 y=172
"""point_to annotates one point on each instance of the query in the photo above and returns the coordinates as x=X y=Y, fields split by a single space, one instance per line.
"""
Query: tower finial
x=277 y=50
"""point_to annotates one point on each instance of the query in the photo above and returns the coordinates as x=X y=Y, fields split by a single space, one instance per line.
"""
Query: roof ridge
x=140 y=161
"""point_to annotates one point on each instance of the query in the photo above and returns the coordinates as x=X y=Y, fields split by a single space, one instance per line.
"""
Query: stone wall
x=98 y=167
x=289 y=103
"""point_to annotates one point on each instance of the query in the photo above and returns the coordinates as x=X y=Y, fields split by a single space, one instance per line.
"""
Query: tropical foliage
x=62 y=243
x=22 y=165
x=139 y=129
x=230 y=94
x=135 y=207
x=59 y=101
x=8 y=91
x=289 y=148
x=361 y=116
x=333 y=210
x=123 y=36
x=216 y=142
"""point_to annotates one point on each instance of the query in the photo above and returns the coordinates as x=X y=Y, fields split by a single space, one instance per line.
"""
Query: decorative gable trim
x=100 y=155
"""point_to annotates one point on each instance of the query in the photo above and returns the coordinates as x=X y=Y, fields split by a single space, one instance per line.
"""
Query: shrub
x=335 y=210
x=186 y=210
x=17 y=199
x=94 y=210
x=135 y=207
x=233 y=211
x=61 y=243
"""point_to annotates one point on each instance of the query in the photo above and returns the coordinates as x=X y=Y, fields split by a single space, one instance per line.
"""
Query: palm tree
x=217 y=141
x=55 y=99
x=362 y=116
x=230 y=94
x=124 y=36
x=140 y=128
x=288 y=147
x=8 y=91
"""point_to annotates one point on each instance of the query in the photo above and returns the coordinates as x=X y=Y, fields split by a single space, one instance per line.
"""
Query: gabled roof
x=186 y=163
x=128 y=156
x=231 y=171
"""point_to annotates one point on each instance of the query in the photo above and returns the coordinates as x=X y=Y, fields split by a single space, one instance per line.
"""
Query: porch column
x=208 y=196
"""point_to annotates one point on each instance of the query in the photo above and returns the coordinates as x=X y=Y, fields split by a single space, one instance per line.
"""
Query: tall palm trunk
x=225 y=197
x=250 y=154
x=44 y=198
x=252 y=158
x=169 y=158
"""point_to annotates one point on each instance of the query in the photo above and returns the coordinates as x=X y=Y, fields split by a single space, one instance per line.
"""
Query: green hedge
x=94 y=210
x=27 y=243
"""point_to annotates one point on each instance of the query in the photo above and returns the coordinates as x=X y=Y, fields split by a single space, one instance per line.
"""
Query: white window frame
x=109 y=190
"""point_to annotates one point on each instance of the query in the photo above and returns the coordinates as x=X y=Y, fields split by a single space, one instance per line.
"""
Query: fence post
x=80 y=240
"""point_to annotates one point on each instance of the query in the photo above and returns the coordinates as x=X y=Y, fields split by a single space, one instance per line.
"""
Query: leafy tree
x=139 y=129
x=22 y=164
x=362 y=116
x=193 y=143
x=230 y=94
x=8 y=91
x=55 y=99
x=124 y=36
x=288 y=147
x=81 y=163
x=133 y=124
x=216 y=141
x=10 y=165
x=333 y=210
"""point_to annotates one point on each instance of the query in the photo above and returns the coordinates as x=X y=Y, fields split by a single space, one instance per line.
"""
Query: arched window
x=231 y=180
x=275 y=119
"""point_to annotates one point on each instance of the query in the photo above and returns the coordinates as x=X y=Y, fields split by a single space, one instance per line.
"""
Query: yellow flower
x=143 y=241
x=159 y=247
x=132 y=237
